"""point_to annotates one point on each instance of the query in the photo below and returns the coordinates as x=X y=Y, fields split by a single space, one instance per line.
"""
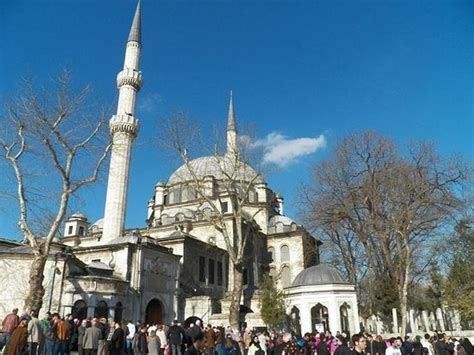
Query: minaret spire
x=136 y=29
x=231 y=128
x=123 y=127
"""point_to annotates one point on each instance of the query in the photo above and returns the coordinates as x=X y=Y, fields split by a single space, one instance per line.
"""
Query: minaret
x=231 y=128
x=124 y=128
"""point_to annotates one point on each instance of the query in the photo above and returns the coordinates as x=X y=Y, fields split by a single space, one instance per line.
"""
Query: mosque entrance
x=154 y=312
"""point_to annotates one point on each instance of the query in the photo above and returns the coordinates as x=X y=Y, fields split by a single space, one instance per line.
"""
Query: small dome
x=321 y=274
x=97 y=226
x=214 y=166
x=78 y=215
x=286 y=221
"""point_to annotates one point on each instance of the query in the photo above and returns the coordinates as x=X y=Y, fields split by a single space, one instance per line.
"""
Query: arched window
x=118 y=312
x=319 y=317
x=101 y=310
x=79 y=310
x=81 y=230
x=344 y=315
x=271 y=254
x=284 y=253
x=285 y=276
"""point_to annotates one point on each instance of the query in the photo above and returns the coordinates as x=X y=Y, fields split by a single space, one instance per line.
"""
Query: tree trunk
x=403 y=295
x=234 y=309
x=34 y=299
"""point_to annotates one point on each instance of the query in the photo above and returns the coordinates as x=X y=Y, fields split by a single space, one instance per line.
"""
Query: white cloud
x=282 y=151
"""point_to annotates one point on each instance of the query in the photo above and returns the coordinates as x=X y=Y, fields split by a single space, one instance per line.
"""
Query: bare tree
x=392 y=204
x=233 y=207
x=54 y=142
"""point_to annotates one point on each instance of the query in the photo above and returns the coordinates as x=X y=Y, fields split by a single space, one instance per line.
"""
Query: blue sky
x=298 y=69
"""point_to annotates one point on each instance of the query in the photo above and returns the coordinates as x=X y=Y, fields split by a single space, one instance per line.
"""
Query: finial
x=231 y=115
x=136 y=30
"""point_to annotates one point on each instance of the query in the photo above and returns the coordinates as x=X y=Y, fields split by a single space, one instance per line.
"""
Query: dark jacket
x=175 y=335
x=343 y=350
x=117 y=342
x=322 y=349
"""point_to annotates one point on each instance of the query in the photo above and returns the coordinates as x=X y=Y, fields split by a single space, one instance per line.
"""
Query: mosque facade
x=178 y=265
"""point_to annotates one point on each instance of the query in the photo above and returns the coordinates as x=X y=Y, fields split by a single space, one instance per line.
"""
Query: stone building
x=178 y=265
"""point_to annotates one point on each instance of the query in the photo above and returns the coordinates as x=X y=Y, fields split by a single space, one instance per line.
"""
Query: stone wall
x=14 y=280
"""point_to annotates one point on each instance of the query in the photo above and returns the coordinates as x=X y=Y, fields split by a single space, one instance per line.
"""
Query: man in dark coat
x=197 y=344
x=117 y=344
x=175 y=336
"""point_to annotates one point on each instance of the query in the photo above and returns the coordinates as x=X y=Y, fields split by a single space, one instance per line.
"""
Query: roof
x=217 y=167
x=321 y=274
x=280 y=219
x=78 y=215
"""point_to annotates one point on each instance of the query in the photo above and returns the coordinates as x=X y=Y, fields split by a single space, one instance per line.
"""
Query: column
x=395 y=320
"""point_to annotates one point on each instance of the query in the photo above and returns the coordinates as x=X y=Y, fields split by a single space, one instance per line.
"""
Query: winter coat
x=34 y=331
x=91 y=338
x=17 y=341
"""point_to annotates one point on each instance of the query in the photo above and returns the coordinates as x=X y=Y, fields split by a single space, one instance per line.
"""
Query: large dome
x=216 y=166
x=321 y=274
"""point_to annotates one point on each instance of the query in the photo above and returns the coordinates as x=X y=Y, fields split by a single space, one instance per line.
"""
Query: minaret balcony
x=130 y=77
x=124 y=123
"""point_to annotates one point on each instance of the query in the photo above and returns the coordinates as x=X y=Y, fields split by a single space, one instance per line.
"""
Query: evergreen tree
x=272 y=305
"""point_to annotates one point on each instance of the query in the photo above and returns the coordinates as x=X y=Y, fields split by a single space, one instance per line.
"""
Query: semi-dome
x=321 y=274
x=215 y=166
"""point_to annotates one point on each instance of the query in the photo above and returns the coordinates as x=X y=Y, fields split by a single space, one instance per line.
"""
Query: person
x=175 y=336
x=394 y=348
x=442 y=347
x=117 y=341
x=131 y=334
x=18 y=339
x=50 y=335
x=210 y=340
x=197 y=344
x=289 y=346
x=379 y=345
x=407 y=346
x=62 y=337
x=371 y=345
x=80 y=336
x=467 y=345
x=247 y=339
x=142 y=345
x=427 y=347
x=104 y=328
x=34 y=333
x=10 y=322
x=322 y=347
x=342 y=347
x=255 y=348
x=162 y=335
x=360 y=343
x=153 y=342
x=226 y=346
x=74 y=324
x=417 y=347
x=90 y=341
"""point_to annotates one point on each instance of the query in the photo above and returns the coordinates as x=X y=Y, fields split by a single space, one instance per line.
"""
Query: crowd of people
x=54 y=335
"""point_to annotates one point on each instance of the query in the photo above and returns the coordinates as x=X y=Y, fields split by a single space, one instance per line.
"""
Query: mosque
x=178 y=265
